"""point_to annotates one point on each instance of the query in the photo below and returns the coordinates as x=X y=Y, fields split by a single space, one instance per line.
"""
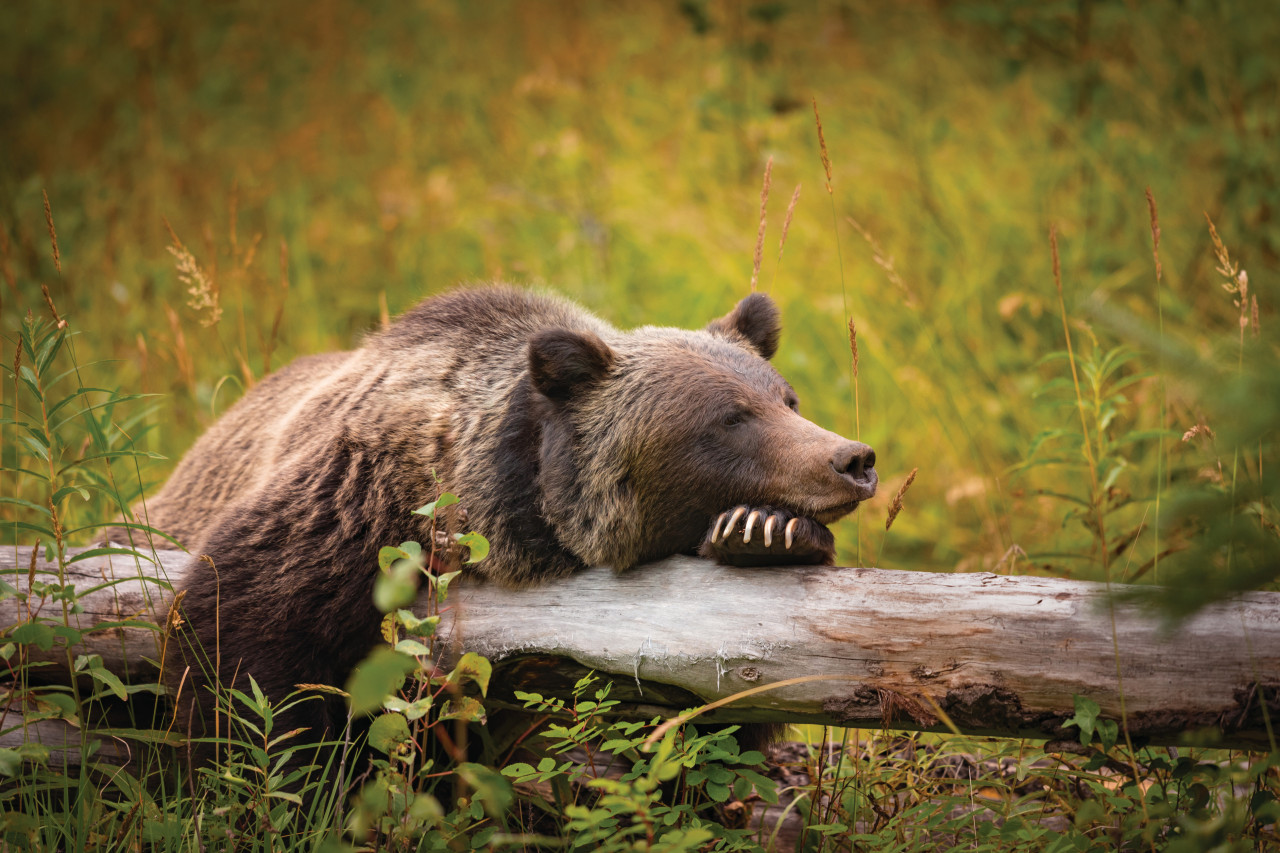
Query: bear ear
x=561 y=361
x=755 y=318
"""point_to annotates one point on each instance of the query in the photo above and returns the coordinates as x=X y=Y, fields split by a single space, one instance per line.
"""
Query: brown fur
x=569 y=442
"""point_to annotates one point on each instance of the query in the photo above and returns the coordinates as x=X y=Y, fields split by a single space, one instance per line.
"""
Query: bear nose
x=855 y=459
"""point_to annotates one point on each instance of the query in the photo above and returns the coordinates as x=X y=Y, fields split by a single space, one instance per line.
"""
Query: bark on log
x=994 y=654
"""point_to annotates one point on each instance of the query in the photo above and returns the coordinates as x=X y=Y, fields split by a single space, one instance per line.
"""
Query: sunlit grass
x=618 y=162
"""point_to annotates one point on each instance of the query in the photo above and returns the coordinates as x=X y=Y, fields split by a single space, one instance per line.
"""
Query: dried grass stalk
x=48 y=300
x=853 y=345
x=764 y=207
x=822 y=144
x=1200 y=429
x=786 y=223
x=202 y=290
x=284 y=294
x=181 y=355
x=1226 y=267
x=896 y=506
x=1155 y=232
x=885 y=262
x=53 y=235
x=1237 y=280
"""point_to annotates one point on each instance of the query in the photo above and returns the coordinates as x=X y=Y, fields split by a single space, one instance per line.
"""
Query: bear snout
x=857 y=461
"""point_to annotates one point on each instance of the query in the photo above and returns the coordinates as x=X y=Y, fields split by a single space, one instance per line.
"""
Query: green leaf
x=127 y=525
x=84 y=662
x=418 y=627
x=412 y=647
x=491 y=789
x=27 y=504
x=446 y=499
x=718 y=774
x=1085 y=717
x=478 y=544
x=388 y=555
x=37 y=633
x=67 y=491
x=109 y=679
x=442 y=584
x=106 y=552
x=462 y=708
x=30 y=378
x=38 y=529
x=397 y=586
x=72 y=635
x=1108 y=732
x=105 y=404
x=63 y=704
x=111 y=454
x=388 y=732
x=473 y=667
x=10 y=762
x=719 y=793
x=36 y=447
x=379 y=675
x=49 y=351
x=1114 y=474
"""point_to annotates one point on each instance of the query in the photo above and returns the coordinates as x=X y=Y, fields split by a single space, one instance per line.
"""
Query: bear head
x=648 y=436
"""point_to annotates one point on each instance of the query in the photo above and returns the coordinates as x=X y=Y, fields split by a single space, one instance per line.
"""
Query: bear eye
x=793 y=403
x=734 y=418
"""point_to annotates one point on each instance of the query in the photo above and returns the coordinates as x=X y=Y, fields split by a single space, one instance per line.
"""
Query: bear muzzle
x=856 y=462
x=820 y=474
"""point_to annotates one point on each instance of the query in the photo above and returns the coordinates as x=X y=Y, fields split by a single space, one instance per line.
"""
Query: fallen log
x=978 y=653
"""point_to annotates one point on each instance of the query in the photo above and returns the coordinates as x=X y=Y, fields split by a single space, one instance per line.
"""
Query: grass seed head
x=764 y=207
x=786 y=223
x=1057 y=264
x=202 y=292
x=1226 y=267
x=1155 y=232
x=1200 y=429
x=53 y=235
x=896 y=506
x=1254 y=317
x=853 y=346
x=48 y=300
x=822 y=145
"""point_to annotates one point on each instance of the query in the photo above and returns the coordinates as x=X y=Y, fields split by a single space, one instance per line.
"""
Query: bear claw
x=717 y=534
x=770 y=536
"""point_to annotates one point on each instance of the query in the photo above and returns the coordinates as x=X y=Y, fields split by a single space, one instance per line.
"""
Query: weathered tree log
x=984 y=653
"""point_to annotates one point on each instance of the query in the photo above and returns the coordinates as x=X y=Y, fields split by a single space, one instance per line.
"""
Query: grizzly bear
x=570 y=443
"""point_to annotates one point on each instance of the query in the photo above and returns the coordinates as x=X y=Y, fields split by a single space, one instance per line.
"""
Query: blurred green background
x=326 y=163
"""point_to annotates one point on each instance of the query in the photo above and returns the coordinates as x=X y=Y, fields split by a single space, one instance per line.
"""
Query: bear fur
x=569 y=442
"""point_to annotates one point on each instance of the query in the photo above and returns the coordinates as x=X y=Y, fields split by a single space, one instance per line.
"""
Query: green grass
x=321 y=161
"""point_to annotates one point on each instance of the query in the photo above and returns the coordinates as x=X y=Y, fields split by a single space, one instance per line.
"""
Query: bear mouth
x=834 y=513
x=862 y=489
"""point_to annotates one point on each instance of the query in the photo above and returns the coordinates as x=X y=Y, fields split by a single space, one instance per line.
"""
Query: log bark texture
x=983 y=653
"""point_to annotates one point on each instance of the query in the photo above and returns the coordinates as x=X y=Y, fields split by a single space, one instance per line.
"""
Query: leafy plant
x=602 y=791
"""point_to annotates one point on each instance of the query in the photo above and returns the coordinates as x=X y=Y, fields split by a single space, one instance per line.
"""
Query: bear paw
x=767 y=536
